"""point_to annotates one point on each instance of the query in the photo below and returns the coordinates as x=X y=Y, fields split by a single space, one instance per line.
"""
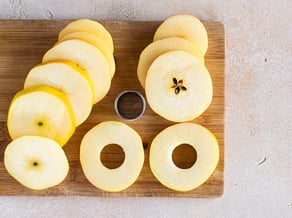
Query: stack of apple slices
x=179 y=88
x=58 y=96
x=177 y=84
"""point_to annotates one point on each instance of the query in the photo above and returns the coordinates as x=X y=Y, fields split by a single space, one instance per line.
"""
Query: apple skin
x=42 y=111
x=68 y=78
x=89 y=58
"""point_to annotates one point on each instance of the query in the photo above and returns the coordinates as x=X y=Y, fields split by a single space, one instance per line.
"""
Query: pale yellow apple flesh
x=91 y=26
x=96 y=41
x=163 y=167
x=157 y=48
x=68 y=78
x=41 y=111
x=36 y=162
x=89 y=58
x=184 y=26
x=178 y=86
x=111 y=132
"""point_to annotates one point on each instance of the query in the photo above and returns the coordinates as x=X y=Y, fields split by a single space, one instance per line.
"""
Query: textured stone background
x=258 y=109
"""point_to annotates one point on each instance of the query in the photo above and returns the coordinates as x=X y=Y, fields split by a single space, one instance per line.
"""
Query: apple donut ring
x=105 y=133
x=163 y=167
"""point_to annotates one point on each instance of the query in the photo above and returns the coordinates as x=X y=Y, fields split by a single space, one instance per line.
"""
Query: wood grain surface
x=22 y=45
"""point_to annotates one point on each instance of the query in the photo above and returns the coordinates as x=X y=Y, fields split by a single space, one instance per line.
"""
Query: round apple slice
x=103 y=134
x=157 y=48
x=68 y=78
x=178 y=86
x=41 y=111
x=89 y=58
x=163 y=145
x=96 y=41
x=185 y=26
x=36 y=162
x=91 y=26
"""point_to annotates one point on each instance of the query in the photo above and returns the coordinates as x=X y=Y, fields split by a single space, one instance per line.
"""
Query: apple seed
x=178 y=85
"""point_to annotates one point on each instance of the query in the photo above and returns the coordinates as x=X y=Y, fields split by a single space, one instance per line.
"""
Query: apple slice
x=36 y=162
x=42 y=111
x=185 y=26
x=91 y=26
x=68 y=78
x=157 y=48
x=89 y=58
x=96 y=41
x=163 y=145
x=178 y=86
x=103 y=134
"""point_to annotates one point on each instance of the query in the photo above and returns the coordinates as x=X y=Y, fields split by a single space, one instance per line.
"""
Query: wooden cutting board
x=22 y=45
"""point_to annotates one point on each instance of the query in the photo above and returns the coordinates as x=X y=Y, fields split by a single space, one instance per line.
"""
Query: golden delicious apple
x=91 y=26
x=157 y=48
x=161 y=162
x=36 y=162
x=96 y=41
x=178 y=86
x=68 y=78
x=184 y=26
x=103 y=134
x=41 y=111
x=89 y=58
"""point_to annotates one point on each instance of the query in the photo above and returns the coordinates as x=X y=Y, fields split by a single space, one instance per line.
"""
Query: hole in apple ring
x=112 y=156
x=130 y=105
x=184 y=156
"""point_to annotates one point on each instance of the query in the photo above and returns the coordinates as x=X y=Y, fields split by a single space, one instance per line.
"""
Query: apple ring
x=103 y=134
x=163 y=167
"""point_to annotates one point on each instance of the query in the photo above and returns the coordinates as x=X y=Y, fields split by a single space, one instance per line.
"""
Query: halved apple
x=163 y=145
x=185 y=26
x=178 y=86
x=91 y=26
x=68 y=78
x=41 y=111
x=103 y=134
x=96 y=41
x=157 y=48
x=36 y=162
x=89 y=58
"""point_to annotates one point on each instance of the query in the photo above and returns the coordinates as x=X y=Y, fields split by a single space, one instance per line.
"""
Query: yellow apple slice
x=41 y=111
x=89 y=58
x=157 y=48
x=91 y=26
x=185 y=26
x=103 y=134
x=36 y=162
x=178 y=86
x=68 y=78
x=163 y=145
x=96 y=41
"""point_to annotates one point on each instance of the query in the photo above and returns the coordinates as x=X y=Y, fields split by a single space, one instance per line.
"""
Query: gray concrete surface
x=258 y=109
